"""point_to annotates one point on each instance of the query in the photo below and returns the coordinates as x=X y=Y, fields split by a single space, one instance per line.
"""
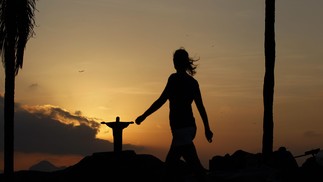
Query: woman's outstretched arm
x=154 y=107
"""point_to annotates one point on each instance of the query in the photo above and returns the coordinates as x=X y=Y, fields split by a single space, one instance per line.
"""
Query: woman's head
x=182 y=61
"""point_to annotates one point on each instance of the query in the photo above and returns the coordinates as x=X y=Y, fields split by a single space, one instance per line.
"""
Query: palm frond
x=16 y=27
x=25 y=26
x=2 y=27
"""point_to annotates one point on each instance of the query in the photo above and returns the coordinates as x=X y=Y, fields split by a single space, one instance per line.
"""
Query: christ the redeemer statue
x=117 y=128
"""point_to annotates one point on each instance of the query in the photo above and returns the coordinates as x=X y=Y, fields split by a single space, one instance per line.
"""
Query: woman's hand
x=140 y=119
x=209 y=135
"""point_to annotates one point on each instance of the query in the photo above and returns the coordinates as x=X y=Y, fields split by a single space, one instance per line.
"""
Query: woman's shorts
x=183 y=136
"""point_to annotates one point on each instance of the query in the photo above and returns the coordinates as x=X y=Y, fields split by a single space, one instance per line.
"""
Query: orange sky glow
x=99 y=59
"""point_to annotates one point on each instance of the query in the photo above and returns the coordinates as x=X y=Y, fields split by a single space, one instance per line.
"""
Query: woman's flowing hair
x=182 y=61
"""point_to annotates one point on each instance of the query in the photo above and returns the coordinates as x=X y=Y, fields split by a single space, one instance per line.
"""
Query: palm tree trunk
x=10 y=64
x=269 y=79
x=16 y=27
x=9 y=118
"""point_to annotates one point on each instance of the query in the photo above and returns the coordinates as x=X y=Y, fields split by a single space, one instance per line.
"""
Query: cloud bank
x=53 y=130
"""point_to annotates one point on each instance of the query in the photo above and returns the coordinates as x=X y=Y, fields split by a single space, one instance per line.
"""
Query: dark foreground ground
x=129 y=166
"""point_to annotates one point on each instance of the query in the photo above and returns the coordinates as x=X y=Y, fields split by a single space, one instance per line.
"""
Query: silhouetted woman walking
x=181 y=90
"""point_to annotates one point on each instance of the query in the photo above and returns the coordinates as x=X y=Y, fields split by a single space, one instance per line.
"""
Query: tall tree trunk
x=269 y=79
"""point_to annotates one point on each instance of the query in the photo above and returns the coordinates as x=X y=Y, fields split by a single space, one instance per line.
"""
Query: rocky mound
x=127 y=166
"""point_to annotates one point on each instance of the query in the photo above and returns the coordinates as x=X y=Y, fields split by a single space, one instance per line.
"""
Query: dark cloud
x=79 y=113
x=61 y=115
x=53 y=130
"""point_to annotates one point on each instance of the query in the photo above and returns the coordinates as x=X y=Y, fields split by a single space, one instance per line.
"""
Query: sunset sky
x=91 y=61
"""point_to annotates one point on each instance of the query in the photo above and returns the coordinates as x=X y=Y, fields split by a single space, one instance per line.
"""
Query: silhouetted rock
x=45 y=166
x=312 y=170
x=245 y=166
x=235 y=162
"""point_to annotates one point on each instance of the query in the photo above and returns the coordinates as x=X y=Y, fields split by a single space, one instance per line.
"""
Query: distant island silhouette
x=45 y=166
